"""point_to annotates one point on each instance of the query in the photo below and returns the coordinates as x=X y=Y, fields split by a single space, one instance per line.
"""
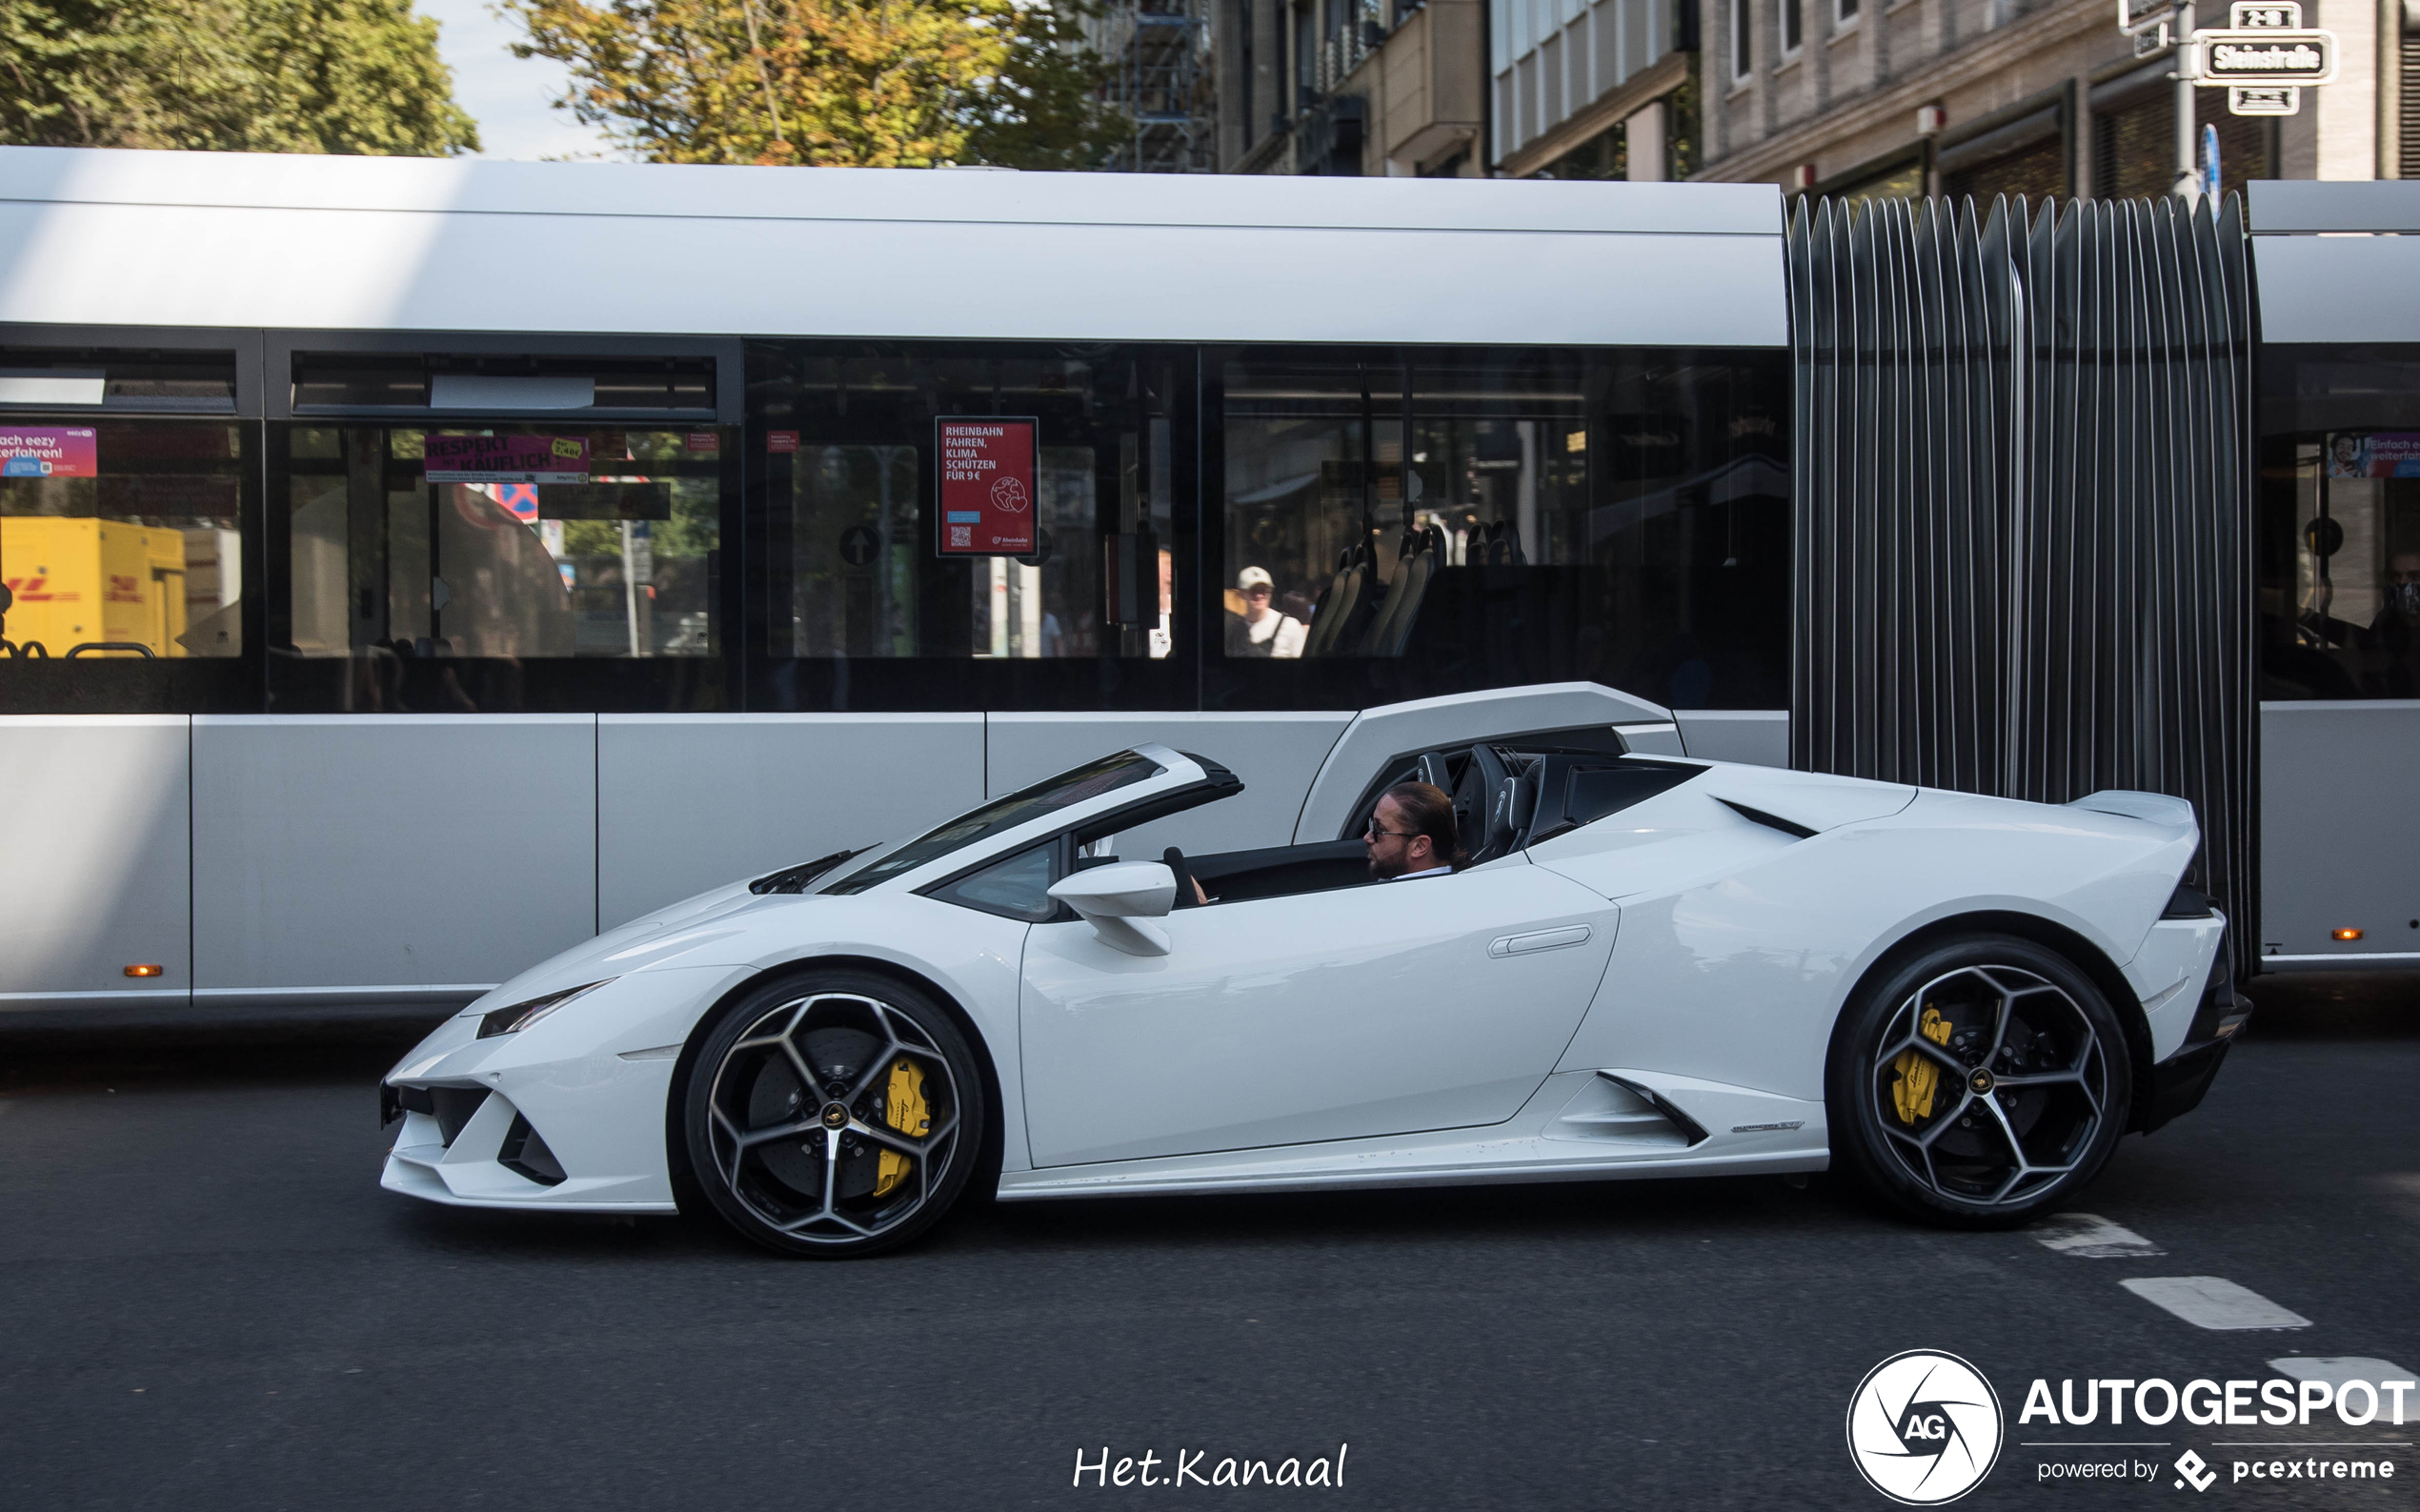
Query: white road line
x=2088 y=1236
x=2214 y=1302
x=2338 y=1369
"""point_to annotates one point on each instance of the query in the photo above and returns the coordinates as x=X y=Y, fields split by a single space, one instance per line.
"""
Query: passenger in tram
x=2392 y=645
x=1411 y=835
x=1261 y=630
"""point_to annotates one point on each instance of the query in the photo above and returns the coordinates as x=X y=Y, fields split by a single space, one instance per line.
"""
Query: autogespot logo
x=1923 y=1428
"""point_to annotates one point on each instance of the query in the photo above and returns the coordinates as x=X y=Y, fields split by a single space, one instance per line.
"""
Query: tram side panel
x=396 y=858
x=2340 y=832
x=95 y=900
x=688 y=803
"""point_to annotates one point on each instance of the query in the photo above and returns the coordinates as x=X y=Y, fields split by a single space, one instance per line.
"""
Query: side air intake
x=1612 y=1110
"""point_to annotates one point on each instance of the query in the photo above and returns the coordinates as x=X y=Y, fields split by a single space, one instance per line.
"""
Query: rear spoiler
x=2155 y=808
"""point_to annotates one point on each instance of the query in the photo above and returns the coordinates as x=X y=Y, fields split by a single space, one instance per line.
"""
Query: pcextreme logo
x=1923 y=1428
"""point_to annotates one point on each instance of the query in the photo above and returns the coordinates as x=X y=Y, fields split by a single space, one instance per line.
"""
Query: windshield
x=1001 y=814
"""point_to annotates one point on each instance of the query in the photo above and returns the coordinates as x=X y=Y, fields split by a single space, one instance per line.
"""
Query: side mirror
x=1117 y=901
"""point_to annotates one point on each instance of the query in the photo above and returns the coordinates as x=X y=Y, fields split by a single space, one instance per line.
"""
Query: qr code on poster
x=961 y=535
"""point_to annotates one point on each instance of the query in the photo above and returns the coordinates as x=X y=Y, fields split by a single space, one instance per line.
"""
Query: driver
x=1411 y=835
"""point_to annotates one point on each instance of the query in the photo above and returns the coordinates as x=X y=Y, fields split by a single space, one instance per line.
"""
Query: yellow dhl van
x=83 y=581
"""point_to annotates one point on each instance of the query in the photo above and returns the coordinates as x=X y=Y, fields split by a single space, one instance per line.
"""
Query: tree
x=858 y=83
x=227 y=75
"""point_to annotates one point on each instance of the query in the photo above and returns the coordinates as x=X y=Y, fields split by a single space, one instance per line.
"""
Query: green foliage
x=856 y=83
x=227 y=75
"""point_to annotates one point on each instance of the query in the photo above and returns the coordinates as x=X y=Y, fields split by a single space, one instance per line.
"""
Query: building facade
x=1985 y=97
x=1352 y=86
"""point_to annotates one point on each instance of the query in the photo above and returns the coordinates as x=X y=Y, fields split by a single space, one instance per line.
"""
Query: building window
x=1743 y=59
x=1605 y=155
x=1844 y=12
x=1792 y=12
x=2134 y=143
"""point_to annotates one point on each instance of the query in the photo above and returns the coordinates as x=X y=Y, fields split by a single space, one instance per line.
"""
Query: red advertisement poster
x=506 y=458
x=48 y=451
x=987 y=485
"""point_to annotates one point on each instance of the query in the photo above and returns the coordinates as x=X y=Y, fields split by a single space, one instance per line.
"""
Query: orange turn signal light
x=145 y=971
x=2345 y=934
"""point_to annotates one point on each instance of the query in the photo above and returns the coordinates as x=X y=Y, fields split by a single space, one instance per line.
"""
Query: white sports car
x=1652 y=966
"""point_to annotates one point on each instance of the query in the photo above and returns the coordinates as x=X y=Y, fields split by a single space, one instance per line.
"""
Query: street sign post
x=2245 y=99
x=2263 y=58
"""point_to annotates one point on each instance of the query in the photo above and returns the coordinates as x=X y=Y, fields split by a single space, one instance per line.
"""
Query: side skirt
x=1579 y=1126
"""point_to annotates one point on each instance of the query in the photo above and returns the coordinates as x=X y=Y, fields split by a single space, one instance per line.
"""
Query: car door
x=1373 y=1010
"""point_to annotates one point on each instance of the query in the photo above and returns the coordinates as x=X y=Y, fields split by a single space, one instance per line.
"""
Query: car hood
x=711 y=929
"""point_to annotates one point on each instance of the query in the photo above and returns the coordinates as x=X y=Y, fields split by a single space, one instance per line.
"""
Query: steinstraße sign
x=2266 y=56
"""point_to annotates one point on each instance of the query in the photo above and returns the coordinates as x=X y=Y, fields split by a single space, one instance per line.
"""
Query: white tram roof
x=290 y=242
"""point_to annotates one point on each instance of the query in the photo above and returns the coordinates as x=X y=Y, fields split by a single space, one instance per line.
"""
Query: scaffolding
x=1159 y=81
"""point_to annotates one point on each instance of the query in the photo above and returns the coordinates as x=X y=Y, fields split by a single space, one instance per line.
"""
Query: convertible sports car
x=1653 y=966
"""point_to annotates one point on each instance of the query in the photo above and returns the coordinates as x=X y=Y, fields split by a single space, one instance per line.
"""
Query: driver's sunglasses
x=1375 y=832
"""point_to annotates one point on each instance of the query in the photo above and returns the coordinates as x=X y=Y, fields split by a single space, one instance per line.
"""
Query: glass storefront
x=2340 y=522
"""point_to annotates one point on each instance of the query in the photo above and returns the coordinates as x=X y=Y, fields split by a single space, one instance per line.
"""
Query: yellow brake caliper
x=904 y=1109
x=1919 y=1077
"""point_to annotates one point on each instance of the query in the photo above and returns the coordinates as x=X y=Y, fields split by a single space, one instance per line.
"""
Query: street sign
x=2138 y=16
x=2265 y=15
x=859 y=546
x=2264 y=56
x=2264 y=99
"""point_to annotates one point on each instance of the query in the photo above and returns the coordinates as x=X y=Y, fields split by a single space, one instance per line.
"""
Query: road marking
x=2088 y=1236
x=2214 y=1302
x=2338 y=1369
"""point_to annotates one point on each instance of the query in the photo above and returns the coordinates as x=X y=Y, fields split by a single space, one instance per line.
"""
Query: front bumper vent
x=524 y=1153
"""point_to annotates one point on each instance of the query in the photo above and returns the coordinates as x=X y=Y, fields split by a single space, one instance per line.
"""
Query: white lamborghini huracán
x=1652 y=966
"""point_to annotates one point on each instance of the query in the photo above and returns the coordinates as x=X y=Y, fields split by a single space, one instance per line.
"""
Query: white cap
x=1252 y=577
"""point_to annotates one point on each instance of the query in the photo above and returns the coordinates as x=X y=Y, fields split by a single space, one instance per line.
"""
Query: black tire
x=1978 y=1082
x=767 y=1147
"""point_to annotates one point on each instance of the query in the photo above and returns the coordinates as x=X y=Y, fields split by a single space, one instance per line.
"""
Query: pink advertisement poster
x=48 y=451
x=506 y=459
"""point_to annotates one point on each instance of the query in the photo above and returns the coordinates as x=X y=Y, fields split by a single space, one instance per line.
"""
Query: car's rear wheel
x=834 y=1114
x=1979 y=1082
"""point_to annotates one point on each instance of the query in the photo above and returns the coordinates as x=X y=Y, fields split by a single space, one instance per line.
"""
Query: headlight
x=521 y=1015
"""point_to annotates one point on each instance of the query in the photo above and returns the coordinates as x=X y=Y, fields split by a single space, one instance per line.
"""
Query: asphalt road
x=205 y=1302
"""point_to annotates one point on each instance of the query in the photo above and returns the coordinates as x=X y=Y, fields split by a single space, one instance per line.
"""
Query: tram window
x=121 y=541
x=2339 y=557
x=871 y=569
x=505 y=541
x=1452 y=520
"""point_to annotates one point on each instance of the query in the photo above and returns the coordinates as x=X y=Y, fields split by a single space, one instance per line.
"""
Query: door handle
x=1537 y=940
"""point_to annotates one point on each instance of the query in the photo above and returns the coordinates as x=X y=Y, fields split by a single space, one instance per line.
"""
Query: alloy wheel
x=1989 y=1084
x=833 y=1117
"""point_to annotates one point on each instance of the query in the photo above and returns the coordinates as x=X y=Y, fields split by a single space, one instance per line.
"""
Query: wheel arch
x=2087 y=957
x=677 y=1145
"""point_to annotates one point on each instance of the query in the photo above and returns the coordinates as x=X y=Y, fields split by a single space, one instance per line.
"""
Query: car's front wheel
x=1979 y=1081
x=833 y=1114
